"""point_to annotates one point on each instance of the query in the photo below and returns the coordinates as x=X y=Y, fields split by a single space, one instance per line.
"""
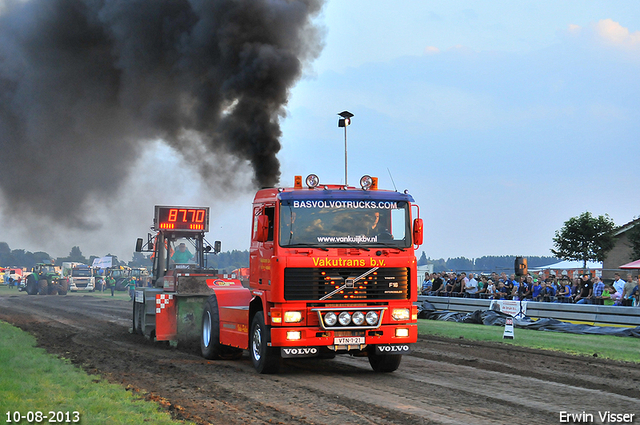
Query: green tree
x=584 y=238
x=423 y=260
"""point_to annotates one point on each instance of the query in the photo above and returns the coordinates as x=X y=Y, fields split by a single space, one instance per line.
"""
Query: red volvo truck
x=332 y=271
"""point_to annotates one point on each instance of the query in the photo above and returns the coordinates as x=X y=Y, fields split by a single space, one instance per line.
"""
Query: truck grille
x=315 y=283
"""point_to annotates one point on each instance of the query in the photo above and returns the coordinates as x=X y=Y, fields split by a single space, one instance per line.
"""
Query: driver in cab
x=182 y=254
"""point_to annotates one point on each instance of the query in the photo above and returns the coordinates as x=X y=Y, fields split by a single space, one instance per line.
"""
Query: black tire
x=64 y=287
x=54 y=289
x=383 y=363
x=32 y=285
x=210 y=336
x=265 y=359
x=43 y=287
x=138 y=311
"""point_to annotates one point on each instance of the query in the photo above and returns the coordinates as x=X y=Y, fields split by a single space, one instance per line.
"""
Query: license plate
x=349 y=340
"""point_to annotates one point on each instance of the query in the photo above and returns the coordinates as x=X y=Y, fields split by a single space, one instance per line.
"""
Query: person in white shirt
x=618 y=283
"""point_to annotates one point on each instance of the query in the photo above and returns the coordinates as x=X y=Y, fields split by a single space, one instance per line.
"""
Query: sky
x=502 y=119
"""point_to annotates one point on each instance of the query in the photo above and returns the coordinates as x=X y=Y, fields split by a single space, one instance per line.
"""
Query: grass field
x=32 y=380
x=607 y=346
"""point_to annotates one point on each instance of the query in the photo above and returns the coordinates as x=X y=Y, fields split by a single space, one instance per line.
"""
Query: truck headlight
x=330 y=319
x=402 y=332
x=344 y=318
x=372 y=318
x=292 y=317
x=400 y=314
x=358 y=318
x=294 y=335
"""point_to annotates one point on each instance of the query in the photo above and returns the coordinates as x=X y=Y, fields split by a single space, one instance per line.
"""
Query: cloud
x=613 y=33
x=431 y=50
x=606 y=33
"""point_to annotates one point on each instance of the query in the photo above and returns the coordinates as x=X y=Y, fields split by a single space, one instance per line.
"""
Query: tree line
x=225 y=262
x=488 y=263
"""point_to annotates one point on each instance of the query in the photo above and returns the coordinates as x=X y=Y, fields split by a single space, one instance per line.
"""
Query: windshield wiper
x=388 y=245
x=304 y=245
x=352 y=245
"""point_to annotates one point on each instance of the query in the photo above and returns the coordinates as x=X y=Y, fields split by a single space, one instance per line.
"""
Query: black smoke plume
x=84 y=84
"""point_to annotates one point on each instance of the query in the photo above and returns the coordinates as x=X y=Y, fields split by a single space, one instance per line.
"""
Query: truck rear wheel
x=138 y=311
x=210 y=335
x=264 y=358
x=384 y=363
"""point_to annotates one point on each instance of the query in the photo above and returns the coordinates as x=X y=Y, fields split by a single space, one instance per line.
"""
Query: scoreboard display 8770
x=184 y=219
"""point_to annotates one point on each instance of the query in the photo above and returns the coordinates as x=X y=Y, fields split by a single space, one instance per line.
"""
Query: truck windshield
x=338 y=223
x=81 y=273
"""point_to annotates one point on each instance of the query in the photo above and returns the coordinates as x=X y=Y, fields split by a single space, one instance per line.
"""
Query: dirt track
x=442 y=382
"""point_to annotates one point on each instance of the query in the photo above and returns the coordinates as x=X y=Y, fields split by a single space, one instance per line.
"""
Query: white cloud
x=608 y=33
x=613 y=33
x=431 y=50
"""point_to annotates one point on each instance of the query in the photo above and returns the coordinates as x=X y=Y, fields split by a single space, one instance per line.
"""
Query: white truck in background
x=79 y=276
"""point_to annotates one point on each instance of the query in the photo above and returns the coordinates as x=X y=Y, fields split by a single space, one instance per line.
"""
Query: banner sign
x=102 y=262
x=512 y=308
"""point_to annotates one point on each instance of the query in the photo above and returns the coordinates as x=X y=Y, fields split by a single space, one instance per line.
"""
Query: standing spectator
x=112 y=284
x=536 y=290
x=438 y=285
x=598 y=289
x=521 y=283
x=575 y=288
x=606 y=295
x=627 y=290
x=482 y=286
x=458 y=282
x=490 y=290
x=618 y=283
x=586 y=291
x=448 y=286
x=131 y=287
x=564 y=294
x=549 y=292
x=503 y=292
x=427 y=284
x=470 y=287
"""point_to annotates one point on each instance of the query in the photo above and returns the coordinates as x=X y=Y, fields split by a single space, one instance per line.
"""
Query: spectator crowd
x=580 y=290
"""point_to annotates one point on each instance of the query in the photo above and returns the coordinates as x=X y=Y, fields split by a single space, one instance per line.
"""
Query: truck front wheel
x=384 y=363
x=264 y=358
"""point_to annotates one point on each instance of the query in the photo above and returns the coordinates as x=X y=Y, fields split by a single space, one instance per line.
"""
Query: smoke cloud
x=85 y=85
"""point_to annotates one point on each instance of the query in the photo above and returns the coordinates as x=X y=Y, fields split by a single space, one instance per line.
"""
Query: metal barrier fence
x=583 y=313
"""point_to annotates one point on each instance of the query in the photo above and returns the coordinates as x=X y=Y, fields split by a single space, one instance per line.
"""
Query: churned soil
x=443 y=381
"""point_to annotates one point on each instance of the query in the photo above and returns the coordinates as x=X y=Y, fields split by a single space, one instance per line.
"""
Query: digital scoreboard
x=184 y=219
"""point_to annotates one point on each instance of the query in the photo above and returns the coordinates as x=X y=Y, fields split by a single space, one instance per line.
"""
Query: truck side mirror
x=139 y=245
x=418 y=233
x=262 y=232
x=217 y=246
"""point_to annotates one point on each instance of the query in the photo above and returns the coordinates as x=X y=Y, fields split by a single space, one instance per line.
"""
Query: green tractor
x=44 y=280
